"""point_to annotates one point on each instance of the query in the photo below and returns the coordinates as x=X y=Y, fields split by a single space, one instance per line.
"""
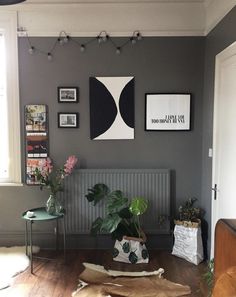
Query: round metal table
x=41 y=215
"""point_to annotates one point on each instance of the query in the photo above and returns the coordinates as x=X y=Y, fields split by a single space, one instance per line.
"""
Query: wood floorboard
x=58 y=279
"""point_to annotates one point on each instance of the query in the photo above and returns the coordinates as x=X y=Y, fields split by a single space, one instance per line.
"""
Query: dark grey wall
x=218 y=39
x=159 y=65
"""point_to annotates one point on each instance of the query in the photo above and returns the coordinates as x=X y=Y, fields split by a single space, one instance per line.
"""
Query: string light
x=136 y=37
x=31 y=50
x=133 y=40
x=118 y=51
x=139 y=36
x=61 y=41
x=105 y=38
x=49 y=57
x=66 y=39
x=101 y=38
x=82 y=48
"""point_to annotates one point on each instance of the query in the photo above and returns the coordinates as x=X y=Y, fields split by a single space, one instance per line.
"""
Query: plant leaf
x=120 y=231
x=125 y=213
x=97 y=193
x=110 y=223
x=116 y=201
x=138 y=206
x=96 y=226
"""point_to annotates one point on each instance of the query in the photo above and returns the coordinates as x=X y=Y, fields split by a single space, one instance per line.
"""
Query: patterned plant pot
x=131 y=250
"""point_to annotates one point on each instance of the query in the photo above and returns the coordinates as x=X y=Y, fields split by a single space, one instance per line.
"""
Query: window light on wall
x=4 y=148
x=10 y=149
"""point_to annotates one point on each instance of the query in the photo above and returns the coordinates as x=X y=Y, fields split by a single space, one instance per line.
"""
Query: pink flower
x=70 y=164
x=53 y=178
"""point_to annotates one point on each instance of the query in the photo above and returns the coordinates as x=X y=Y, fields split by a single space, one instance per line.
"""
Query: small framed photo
x=68 y=94
x=167 y=112
x=68 y=119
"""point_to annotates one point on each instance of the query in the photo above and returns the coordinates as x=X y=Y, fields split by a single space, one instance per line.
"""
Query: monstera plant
x=122 y=215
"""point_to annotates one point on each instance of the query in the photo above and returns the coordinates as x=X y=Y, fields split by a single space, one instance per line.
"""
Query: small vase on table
x=53 y=205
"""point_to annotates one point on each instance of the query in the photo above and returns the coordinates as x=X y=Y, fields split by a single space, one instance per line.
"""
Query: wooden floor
x=59 y=279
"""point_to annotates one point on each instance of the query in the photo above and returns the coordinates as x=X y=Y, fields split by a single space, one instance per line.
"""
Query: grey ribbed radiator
x=153 y=184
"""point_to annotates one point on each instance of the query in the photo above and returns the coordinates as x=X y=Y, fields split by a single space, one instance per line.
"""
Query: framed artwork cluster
x=112 y=109
x=36 y=139
x=68 y=95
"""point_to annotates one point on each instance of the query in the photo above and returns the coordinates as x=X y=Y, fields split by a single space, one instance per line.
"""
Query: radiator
x=152 y=184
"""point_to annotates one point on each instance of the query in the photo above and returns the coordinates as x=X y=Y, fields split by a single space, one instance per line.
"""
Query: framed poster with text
x=167 y=112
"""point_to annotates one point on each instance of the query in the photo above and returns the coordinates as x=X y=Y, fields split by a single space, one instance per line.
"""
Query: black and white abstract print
x=112 y=108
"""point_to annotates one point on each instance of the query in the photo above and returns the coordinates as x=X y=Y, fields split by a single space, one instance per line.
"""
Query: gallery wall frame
x=68 y=94
x=68 y=119
x=167 y=112
x=36 y=140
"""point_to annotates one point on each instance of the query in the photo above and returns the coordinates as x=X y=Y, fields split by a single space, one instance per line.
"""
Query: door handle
x=215 y=191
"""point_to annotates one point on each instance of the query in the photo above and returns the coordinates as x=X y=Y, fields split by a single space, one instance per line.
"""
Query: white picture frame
x=167 y=112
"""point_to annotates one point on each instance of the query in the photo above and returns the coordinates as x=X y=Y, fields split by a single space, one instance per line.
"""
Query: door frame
x=220 y=59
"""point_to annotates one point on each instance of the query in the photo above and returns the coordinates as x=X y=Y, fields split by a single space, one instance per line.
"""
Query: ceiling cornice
x=121 y=17
x=215 y=12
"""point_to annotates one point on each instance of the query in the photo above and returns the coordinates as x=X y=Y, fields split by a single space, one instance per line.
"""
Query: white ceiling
x=120 y=17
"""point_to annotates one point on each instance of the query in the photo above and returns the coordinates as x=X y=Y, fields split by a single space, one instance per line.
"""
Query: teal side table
x=40 y=215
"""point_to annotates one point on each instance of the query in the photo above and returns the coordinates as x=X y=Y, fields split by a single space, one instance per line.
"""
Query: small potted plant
x=189 y=215
x=187 y=233
x=122 y=222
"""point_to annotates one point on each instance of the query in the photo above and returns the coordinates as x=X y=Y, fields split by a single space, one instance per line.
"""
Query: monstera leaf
x=120 y=231
x=138 y=206
x=125 y=213
x=110 y=223
x=96 y=226
x=97 y=193
x=116 y=201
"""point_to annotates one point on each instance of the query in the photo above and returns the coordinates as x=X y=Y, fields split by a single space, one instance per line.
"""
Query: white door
x=224 y=139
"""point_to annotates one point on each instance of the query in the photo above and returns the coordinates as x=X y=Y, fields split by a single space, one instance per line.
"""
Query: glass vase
x=53 y=205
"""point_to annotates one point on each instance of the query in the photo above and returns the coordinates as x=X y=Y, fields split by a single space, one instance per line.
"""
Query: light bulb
x=139 y=36
x=31 y=50
x=82 y=48
x=118 y=50
x=105 y=38
x=133 y=40
x=66 y=39
x=61 y=41
x=49 y=57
